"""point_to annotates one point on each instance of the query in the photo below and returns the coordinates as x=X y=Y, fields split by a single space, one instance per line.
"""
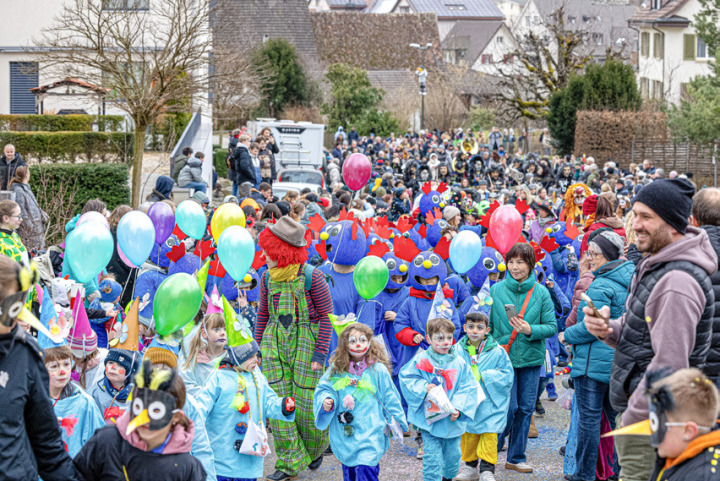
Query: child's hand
x=390 y=316
x=242 y=298
x=316 y=366
x=328 y=405
x=430 y=387
x=112 y=312
x=417 y=339
x=454 y=415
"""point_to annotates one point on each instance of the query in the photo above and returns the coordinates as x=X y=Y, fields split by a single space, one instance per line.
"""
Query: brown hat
x=287 y=230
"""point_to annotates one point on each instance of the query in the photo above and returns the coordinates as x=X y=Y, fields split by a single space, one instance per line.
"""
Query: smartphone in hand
x=591 y=305
x=511 y=311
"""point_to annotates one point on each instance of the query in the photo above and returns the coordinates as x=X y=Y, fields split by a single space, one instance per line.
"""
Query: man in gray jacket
x=669 y=310
x=191 y=175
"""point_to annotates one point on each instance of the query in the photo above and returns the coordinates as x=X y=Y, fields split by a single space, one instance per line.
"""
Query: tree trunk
x=138 y=153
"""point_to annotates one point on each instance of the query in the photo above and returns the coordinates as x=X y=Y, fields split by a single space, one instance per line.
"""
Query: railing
x=185 y=140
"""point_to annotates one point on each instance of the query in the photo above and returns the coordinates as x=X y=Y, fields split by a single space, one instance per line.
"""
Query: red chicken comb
x=176 y=253
x=521 y=206
x=571 y=231
x=485 y=220
x=179 y=233
x=379 y=249
x=405 y=248
x=423 y=231
x=404 y=224
x=216 y=269
x=443 y=248
x=442 y=187
x=316 y=223
x=427 y=188
x=204 y=249
x=258 y=260
x=548 y=244
x=539 y=252
x=320 y=248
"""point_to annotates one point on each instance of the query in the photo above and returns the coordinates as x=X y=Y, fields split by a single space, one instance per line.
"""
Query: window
x=586 y=19
x=23 y=77
x=657 y=90
x=571 y=20
x=508 y=58
x=455 y=7
x=597 y=38
x=527 y=21
x=658 y=45
x=703 y=50
x=656 y=5
x=645 y=44
x=499 y=39
x=536 y=20
x=486 y=59
x=404 y=9
x=688 y=46
x=126 y=4
x=644 y=87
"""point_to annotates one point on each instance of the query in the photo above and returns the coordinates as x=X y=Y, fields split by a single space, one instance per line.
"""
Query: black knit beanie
x=671 y=199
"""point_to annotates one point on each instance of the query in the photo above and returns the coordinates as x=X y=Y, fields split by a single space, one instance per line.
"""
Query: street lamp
x=422 y=79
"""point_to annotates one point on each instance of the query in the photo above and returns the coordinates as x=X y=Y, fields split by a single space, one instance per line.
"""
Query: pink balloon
x=505 y=227
x=123 y=258
x=93 y=216
x=356 y=171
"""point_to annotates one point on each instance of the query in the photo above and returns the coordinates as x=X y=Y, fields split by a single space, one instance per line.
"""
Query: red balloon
x=356 y=171
x=505 y=227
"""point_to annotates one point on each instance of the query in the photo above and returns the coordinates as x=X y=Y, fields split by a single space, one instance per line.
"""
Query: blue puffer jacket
x=592 y=357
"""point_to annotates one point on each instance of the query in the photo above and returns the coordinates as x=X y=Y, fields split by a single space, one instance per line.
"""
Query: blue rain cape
x=78 y=417
x=390 y=301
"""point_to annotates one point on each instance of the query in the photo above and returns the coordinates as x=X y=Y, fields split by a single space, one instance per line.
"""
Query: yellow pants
x=479 y=446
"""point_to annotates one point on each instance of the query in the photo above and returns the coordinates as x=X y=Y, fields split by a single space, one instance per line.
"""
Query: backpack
x=49 y=264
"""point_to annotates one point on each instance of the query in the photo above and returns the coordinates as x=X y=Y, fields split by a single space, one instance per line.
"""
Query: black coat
x=243 y=165
x=712 y=364
x=123 y=274
x=7 y=169
x=30 y=440
x=697 y=468
x=106 y=453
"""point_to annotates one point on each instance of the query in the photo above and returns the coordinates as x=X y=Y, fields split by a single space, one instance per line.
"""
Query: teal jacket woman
x=592 y=357
x=526 y=350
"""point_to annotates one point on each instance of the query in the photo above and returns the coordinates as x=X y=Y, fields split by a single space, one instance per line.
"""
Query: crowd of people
x=613 y=277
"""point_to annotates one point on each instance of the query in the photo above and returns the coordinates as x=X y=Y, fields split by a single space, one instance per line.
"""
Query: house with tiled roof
x=670 y=51
x=337 y=5
x=479 y=44
x=448 y=12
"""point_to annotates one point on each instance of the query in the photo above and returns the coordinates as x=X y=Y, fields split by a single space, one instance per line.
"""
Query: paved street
x=399 y=463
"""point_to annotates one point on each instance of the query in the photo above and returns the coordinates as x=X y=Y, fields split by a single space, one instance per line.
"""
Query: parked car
x=302 y=176
x=279 y=189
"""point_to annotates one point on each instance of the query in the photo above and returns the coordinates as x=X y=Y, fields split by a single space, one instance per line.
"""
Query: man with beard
x=670 y=305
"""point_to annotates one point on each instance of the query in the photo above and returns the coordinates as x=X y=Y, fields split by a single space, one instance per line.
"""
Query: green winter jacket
x=526 y=351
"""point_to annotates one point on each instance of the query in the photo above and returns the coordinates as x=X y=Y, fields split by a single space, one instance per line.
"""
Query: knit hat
x=162 y=352
x=590 y=205
x=671 y=199
x=82 y=339
x=609 y=243
x=239 y=354
x=450 y=212
x=58 y=327
x=130 y=360
x=230 y=199
x=110 y=290
x=201 y=197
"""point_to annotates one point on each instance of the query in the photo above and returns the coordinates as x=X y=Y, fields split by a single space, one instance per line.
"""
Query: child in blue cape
x=100 y=308
x=204 y=351
x=491 y=368
x=356 y=399
x=442 y=368
x=234 y=395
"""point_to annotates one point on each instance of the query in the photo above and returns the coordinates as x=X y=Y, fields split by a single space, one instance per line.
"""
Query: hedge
x=61 y=123
x=107 y=182
x=72 y=146
x=219 y=156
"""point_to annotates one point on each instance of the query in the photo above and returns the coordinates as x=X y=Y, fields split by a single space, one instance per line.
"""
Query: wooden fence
x=679 y=156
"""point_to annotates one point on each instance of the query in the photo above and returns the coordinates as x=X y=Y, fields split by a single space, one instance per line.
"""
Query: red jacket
x=613 y=222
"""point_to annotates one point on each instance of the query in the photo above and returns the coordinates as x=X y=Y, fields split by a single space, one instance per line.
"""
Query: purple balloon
x=163 y=219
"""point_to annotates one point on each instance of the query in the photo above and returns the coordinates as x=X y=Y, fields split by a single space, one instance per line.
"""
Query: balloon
x=163 y=219
x=225 y=216
x=93 y=216
x=136 y=236
x=176 y=302
x=465 y=251
x=191 y=219
x=236 y=250
x=124 y=258
x=356 y=171
x=370 y=277
x=88 y=249
x=505 y=227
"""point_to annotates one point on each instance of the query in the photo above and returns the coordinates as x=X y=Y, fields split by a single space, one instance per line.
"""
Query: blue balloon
x=236 y=250
x=88 y=249
x=136 y=236
x=191 y=219
x=465 y=251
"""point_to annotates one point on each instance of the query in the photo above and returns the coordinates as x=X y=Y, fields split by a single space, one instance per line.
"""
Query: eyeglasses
x=593 y=255
x=19 y=216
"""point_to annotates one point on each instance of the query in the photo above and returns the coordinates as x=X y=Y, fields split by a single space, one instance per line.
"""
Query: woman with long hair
x=32 y=230
x=121 y=271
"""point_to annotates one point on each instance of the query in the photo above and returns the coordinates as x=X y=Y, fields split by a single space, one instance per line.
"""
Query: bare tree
x=543 y=63
x=154 y=61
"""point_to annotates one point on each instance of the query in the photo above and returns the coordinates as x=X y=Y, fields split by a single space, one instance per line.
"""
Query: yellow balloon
x=225 y=216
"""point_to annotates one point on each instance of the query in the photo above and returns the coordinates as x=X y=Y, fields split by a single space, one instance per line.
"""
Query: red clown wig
x=280 y=251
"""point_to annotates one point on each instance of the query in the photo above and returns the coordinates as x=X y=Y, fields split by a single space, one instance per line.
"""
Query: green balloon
x=176 y=302
x=370 y=277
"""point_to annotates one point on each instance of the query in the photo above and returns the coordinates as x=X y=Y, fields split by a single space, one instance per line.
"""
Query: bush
x=166 y=131
x=110 y=123
x=481 y=118
x=78 y=183
x=61 y=123
x=72 y=146
x=219 y=156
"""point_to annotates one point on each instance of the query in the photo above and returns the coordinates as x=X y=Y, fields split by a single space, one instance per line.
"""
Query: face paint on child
x=250 y=364
x=441 y=342
x=59 y=372
x=476 y=331
x=217 y=336
x=358 y=344
x=115 y=373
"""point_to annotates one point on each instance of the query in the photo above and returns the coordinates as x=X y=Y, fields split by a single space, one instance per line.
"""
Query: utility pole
x=422 y=79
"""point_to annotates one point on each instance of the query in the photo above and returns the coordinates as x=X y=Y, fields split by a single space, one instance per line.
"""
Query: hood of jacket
x=694 y=247
x=619 y=271
x=194 y=162
x=613 y=222
x=180 y=441
x=164 y=185
x=713 y=233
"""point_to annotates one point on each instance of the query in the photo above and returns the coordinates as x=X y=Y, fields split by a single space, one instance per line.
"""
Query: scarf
x=357 y=368
x=118 y=395
x=448 y=375
x=543 y=221
x=447 y=292
x=284 y=274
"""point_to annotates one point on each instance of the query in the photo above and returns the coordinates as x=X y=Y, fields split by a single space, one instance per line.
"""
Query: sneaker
x=539 y=409
x=562 y=451
x=315 y=465
x=487 y=476
x=519 y=467
x=421 y=453
x=551 y=392
x=562 y=364
x=280 y=476
x=467 y=473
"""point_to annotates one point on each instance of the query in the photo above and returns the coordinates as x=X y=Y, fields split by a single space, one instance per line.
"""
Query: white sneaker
x=487 y=476
x=467 y=473
x=519 y=467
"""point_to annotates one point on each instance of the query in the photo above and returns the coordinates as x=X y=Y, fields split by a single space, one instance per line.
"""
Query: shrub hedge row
x=61 y=123
x=107 y=182
x=72 y=146
x=219 y=156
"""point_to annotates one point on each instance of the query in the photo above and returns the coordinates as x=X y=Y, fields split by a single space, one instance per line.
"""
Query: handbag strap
x=513 y=334
x=257 y=392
